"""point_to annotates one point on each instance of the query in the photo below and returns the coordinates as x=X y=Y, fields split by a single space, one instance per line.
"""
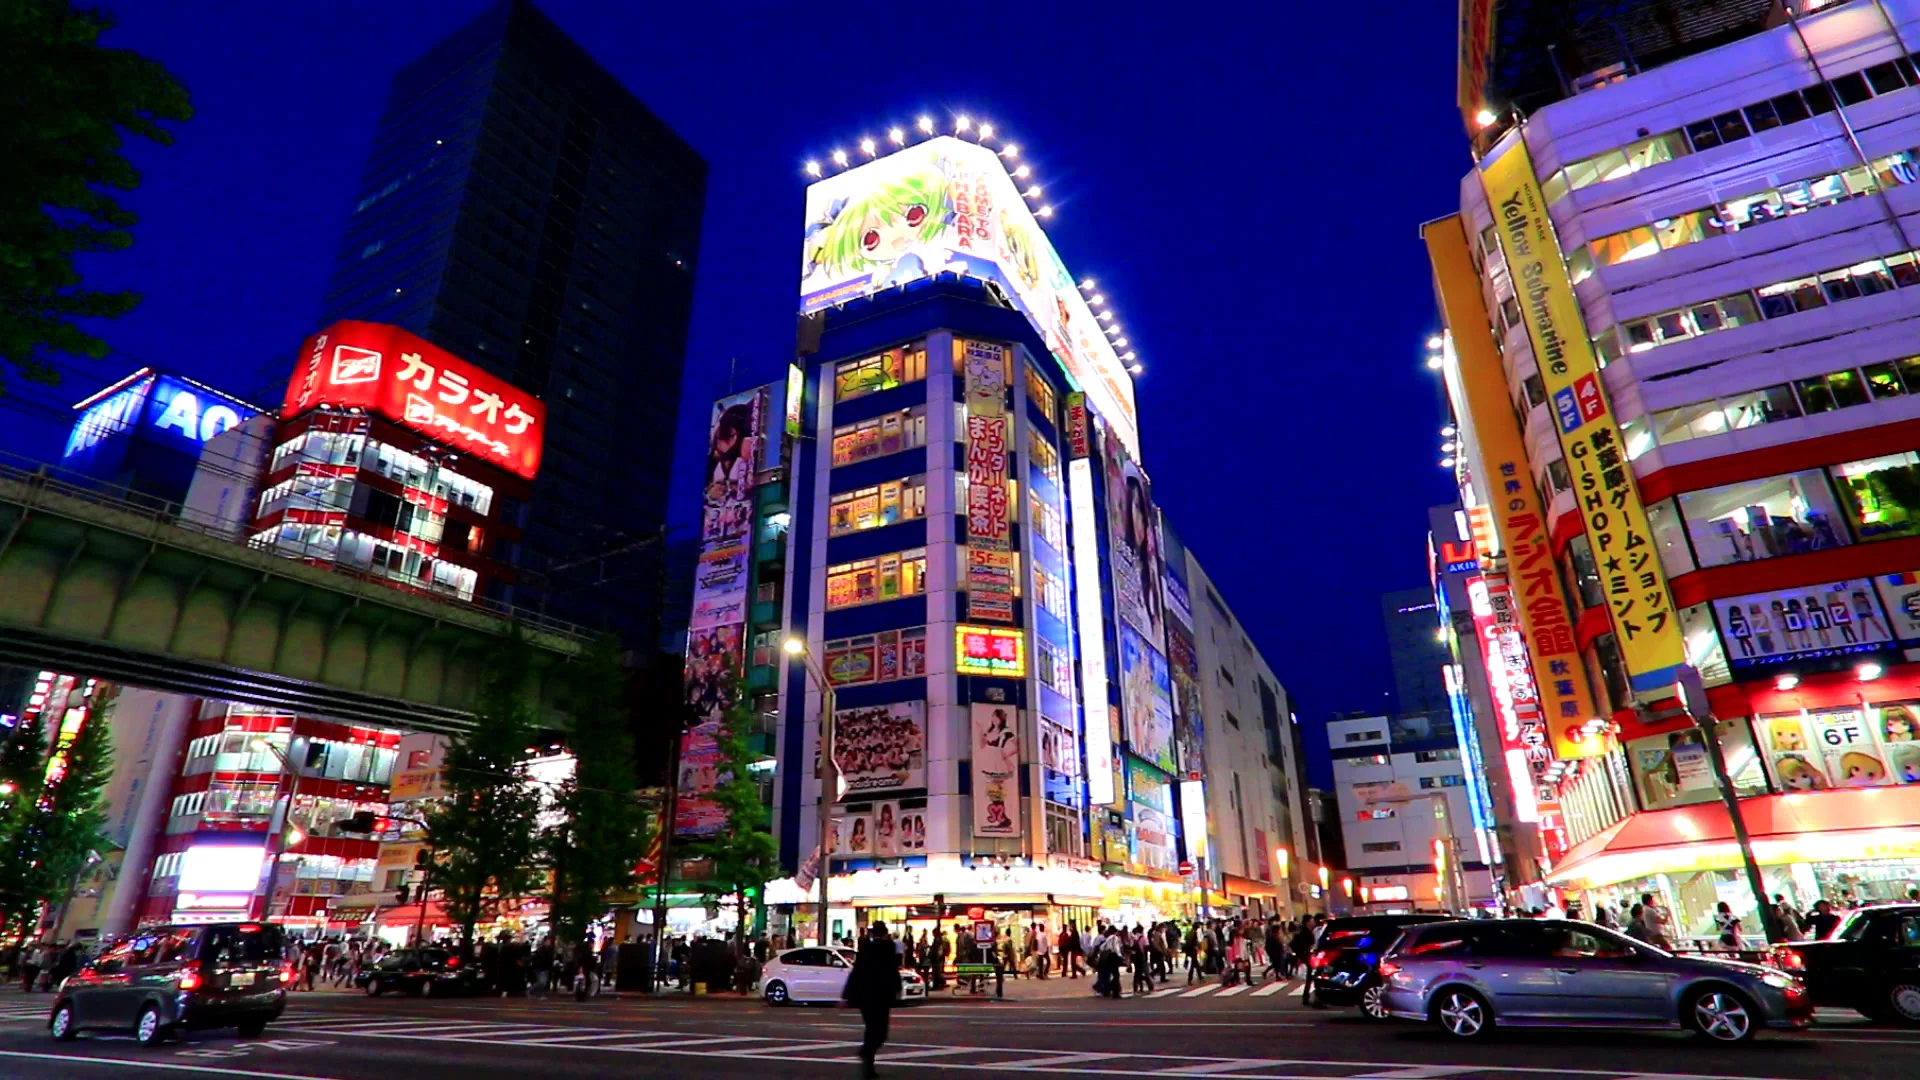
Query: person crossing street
x=872 y=987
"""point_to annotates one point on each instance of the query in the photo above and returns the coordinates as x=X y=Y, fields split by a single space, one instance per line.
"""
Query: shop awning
x=1240 y=886
x=409 y=914
x=1811 y=827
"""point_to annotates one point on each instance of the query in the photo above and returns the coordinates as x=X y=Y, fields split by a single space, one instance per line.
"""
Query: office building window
x=882 y=435
x=1364 y=736
x=870 y=581
x=1040 y=393
x=894 y=367
x=1379 y=846
x=1428 y=757
x=1762 y=519
x=884 y=504
x=1429 y=783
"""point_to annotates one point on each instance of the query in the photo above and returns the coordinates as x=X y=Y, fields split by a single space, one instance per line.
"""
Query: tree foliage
x=484 y=834
x=743 y=854
x=600 y=834
x=47 y=829
x=66 y=105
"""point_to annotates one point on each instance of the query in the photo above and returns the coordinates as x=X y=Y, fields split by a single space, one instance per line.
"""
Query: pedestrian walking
x=1107 y=960
x=1070 y=952
x=29 y=967
x=872 y=987
x=1788 y=918
x=1659 y=922
x=1142 y=964
x=1191 y=947
x=1276 y=952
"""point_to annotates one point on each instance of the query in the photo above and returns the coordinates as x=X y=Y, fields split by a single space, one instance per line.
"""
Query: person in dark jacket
x=872 y=987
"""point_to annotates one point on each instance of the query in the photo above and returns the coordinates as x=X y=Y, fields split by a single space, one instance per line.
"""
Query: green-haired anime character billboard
x=886 y=229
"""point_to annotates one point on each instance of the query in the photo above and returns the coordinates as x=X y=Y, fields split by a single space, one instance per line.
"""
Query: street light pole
x=1692 y=692
x=829 y=772
x=286 y=825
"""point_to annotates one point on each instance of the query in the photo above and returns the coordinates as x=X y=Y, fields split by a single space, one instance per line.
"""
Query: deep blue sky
x=1245 y=185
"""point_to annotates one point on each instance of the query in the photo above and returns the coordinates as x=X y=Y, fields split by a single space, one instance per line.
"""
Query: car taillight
x=1320 y=958
x=286 y=973
x=190 y=976
x=453 y=961
x=1388 y=969
x=1789 y=959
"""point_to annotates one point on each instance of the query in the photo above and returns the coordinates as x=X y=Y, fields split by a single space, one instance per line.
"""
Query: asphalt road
x=341 y=1037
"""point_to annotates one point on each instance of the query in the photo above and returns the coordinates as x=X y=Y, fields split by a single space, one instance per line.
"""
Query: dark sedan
x=1870 y=963
x=427 y=972
x=1343 y=968
x=177 y=978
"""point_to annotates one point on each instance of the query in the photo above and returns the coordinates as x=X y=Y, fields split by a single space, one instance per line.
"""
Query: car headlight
x=1778 y=982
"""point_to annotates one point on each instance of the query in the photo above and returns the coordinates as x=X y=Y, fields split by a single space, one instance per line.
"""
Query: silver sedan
x=1466 y=977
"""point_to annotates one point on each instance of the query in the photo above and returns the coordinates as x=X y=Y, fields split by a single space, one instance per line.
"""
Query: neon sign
x=990 y=650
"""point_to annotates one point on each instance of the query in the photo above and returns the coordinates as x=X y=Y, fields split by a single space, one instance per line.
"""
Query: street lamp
x=829 y=773
x=290 y=833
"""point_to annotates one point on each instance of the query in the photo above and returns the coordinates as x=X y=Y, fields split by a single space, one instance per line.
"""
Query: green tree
x=484 y=834
x=47 y=829
x=601 y=833
x=68 y=105
x=743 y=853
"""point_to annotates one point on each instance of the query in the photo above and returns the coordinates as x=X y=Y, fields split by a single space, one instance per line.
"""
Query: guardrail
x=35 y=476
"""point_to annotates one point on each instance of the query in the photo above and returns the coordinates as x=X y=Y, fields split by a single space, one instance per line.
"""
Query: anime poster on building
x=1152 y=848
x=1831 y=619
x=1189 y=730
x=1134 y=544
x=1900 y=594
x=945 y=205
x=717 y=626
x=1147 y=693
x=990 y=566
x=886 y=830
x=996 y=770
x=881 y=747
x=1844 y=747
x=856 y=835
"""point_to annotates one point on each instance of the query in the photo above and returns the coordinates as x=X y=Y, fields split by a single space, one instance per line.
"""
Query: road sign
x=1186 y=868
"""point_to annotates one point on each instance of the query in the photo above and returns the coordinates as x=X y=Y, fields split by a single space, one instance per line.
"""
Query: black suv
x=1870 y=963
x=176 y=978
x=1344 y=966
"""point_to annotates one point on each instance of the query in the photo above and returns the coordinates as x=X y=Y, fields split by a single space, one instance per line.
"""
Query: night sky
x=1247 y=194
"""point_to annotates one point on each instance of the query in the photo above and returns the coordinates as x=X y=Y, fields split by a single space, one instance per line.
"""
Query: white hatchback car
x=815 y=974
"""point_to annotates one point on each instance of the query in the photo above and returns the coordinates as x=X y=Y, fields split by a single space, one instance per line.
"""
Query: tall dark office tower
x=524 y=211
x=1413 y=625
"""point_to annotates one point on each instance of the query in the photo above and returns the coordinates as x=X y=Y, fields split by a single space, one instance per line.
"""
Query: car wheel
x=1462 y=1013
x=1903 y=1002
x=426 y=988
x=253 y=1029
x=148 y=1031
x=1373 y=1002
x=373 y=988
x=776 y=993
x=1721 y=1015
x=62 y=1025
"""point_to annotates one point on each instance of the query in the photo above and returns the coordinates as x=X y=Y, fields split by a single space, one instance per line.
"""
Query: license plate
x=244 y=978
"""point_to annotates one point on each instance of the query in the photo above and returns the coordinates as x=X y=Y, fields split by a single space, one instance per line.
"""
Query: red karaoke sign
x=392 y=373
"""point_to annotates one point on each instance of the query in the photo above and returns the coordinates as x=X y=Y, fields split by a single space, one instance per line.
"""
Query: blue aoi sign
x=175 y=409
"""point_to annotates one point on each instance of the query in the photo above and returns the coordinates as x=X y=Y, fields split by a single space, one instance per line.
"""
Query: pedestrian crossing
x=1285 y=988
x=24 y=1010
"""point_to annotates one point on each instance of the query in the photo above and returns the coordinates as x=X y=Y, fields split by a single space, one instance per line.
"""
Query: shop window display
x=1861 y=746
x=1761 y=519
x=894 y=367
x=869 y=581
x=884 y=504
x=1673 y=770
x=888 y=434
x=1882 y=495
x=1705 y=651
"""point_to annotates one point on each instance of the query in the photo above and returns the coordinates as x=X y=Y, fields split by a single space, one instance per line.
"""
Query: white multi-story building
x=1406 y=815
x=1732 y=226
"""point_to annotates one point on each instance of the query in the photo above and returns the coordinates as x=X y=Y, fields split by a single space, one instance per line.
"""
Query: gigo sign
x=394 y=374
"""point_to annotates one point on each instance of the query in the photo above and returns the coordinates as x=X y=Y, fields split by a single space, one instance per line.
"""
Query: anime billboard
x=1134 y=535
x=1146 y=690
x=996 y=770
x=948 y=205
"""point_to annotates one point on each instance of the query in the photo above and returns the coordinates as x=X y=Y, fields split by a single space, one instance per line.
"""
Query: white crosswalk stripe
x=1269 y=989
x=23 y=1012
x=1232 y=990
x=1201 y=992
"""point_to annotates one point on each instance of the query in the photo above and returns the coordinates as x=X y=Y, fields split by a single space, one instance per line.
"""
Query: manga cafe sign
x=391 y=373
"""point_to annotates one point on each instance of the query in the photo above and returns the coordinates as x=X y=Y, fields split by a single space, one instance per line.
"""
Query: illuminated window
x=882 y=657
x=870 y=581
x=1044 y=458
x=1431 y=782
x=1040 y=392
x=1048 y=523
x=1050 y=591
x=894 y=367
x=884 y=504
x=1881 y=495
x=882 y=435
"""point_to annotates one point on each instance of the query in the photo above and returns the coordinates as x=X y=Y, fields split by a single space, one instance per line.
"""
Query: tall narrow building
x=523 y=210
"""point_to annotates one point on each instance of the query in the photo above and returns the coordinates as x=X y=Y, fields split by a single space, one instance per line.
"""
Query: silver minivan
x=1466 y=977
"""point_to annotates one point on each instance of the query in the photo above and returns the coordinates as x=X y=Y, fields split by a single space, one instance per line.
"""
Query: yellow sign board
x=1514 y=509
x=1644 y=622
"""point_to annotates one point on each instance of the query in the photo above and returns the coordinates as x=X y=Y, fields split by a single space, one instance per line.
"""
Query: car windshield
x=1854 y=928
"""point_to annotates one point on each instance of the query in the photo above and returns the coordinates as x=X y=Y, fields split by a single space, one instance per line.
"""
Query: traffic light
x=362 y=821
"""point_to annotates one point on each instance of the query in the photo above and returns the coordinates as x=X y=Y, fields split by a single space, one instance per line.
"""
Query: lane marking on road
x=1270 y=988
x=1422 y=1072
x=1229 y=1065
x=175 y=1066
x=608 y=1034
x=1232 y=990
x=1197 y=993
x=1297 y=991
x=521 y=1032
x=792 y=1048
x=932 y=1051
x=1056 y=1060
x=1164 y=993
